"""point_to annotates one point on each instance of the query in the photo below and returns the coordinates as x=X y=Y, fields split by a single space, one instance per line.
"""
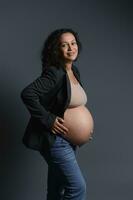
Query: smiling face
x=68 y=48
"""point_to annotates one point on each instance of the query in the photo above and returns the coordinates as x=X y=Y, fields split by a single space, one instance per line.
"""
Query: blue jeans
x=65 y=180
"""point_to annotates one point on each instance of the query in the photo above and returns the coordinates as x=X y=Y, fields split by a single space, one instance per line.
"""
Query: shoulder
x=48 y=80
x=52 y=74
x=53 y=71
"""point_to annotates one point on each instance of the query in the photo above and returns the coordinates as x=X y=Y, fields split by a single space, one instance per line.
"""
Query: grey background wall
x=105 y=65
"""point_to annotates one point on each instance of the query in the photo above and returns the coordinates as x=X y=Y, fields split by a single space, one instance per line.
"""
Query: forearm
x=37 y=110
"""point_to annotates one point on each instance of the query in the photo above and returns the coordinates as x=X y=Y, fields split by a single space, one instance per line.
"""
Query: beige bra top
x=78 y=95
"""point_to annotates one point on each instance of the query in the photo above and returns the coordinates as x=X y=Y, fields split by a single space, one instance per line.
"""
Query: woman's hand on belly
x=58 y=126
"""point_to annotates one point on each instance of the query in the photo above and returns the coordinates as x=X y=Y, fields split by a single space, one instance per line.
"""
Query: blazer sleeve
x=43 y=85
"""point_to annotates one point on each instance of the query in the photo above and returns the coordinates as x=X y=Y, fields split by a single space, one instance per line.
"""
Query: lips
x=70 y=54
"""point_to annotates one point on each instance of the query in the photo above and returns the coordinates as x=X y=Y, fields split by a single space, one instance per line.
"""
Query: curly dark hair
x=49 y=54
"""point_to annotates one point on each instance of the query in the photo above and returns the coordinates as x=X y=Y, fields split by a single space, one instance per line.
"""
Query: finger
x=63 y=127
x=60 y=130
x=59 y=119
x=53 y=131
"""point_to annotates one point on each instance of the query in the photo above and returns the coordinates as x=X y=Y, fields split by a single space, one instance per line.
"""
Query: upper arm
x=43 y=84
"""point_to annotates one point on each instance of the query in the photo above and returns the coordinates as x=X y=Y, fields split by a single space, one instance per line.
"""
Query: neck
x=68 y=66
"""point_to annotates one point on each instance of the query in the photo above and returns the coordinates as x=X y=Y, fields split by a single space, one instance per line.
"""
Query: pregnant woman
x=59 y=120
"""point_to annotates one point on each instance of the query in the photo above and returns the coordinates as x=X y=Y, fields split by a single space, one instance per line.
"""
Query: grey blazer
x=46 y=98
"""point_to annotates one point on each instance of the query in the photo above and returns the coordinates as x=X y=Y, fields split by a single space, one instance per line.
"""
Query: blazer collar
x=74 y=71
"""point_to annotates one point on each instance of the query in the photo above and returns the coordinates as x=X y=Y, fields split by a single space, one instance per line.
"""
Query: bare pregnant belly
x=80 y=124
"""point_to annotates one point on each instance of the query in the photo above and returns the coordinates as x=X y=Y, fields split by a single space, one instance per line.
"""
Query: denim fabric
x=65 y=180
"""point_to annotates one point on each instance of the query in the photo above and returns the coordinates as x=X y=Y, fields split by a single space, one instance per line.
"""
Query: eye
x=63 y=45
x=73 y=43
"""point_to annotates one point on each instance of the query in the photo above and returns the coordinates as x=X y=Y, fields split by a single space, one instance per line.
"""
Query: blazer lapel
x=68 y=91
x=76 y=75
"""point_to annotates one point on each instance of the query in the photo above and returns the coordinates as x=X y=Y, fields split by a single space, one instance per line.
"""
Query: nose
x=69 y=47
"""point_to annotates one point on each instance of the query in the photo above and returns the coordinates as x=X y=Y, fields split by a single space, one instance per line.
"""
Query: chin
x=71 y=59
